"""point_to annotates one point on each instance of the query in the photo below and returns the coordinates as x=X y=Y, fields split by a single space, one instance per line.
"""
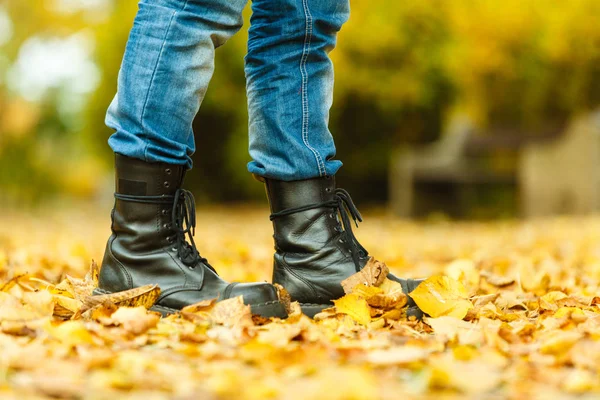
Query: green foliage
x=402 y=69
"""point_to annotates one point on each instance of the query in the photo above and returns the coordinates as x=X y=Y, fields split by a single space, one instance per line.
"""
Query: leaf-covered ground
x=513 y=307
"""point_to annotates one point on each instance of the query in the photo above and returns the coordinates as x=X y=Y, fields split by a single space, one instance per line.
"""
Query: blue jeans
x=169 y=61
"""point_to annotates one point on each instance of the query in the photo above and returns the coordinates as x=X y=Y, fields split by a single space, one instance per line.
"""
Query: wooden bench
x=555 y=171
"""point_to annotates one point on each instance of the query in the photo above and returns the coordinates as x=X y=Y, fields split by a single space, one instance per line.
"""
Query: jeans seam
x=158 y=59
x=305 y=109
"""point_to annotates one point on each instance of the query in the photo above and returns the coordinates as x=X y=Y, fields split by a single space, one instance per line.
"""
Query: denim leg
x=289 y=79
x=168 y=63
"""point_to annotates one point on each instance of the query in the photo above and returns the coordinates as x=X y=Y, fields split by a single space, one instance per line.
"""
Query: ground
x=513 y=313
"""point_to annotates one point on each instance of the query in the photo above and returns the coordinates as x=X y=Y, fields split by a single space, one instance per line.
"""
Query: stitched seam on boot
x=268 y=303
x=120 y=264
x=300 y=234
x=181 y=268
x=316 y=304
x=228 y=290
x=290 y=270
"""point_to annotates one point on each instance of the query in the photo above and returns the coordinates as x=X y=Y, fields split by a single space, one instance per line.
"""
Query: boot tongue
x=286 y=195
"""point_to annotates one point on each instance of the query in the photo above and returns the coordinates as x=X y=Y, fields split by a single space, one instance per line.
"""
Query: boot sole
x=267 y=310
x=310 y=310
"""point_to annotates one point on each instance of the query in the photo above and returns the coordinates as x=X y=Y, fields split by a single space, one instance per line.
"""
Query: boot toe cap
x=253 y=293
x=262 y=298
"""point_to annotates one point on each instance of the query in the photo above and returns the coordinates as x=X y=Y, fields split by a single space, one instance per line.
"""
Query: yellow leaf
x=354 y=306
x=6 y=286
x=579 y=381
x=65 y=307
x=71 y=333
x=439 y=296
x=548 y=301
x=464 y=271
x=366 y=291
x=559 y=342
x=569 y=311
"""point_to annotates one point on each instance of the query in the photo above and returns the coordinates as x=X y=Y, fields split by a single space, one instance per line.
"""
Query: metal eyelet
x=166 y=226
x=168 y=171
x=342 y=241
x=332 y=216
x=328 y=190
x=166 y=184
x=165 y=212
x=170 y=239
x=190 y=267
x=173 y=249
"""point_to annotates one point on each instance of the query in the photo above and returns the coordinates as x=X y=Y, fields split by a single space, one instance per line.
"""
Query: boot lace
x=183 y=217
x=183 y=222
x=343 y=205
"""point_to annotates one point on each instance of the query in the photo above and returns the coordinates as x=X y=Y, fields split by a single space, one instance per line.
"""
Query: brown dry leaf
x=232 y=312
x=497 y=280
x=135 y=320
x=325 y=314
x=391 y=296
x=354 y=306
x=284 y=297
x=144 y=296
x=373 y=274
x=439 y=296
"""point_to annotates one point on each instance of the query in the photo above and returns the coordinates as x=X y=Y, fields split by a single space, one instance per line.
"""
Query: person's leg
x=290 y=87
x=290 y=91
x=165 y=72
x=168 y=63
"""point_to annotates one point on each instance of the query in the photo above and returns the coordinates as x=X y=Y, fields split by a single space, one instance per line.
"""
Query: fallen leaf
x=354 y=306
x=372 y=274
x=232 y=312
x=497 y=280
x=439 y=296
x=144 y=296
x=135 y=320
x=450 y=328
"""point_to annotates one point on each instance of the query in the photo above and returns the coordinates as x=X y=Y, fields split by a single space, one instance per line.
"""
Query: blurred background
x=463 y=108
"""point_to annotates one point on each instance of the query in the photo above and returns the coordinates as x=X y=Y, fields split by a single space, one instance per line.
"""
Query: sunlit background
x=463 y=108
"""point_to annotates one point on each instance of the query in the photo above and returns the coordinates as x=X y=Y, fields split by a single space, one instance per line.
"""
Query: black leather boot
x=152 y=221
x=314 y=243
